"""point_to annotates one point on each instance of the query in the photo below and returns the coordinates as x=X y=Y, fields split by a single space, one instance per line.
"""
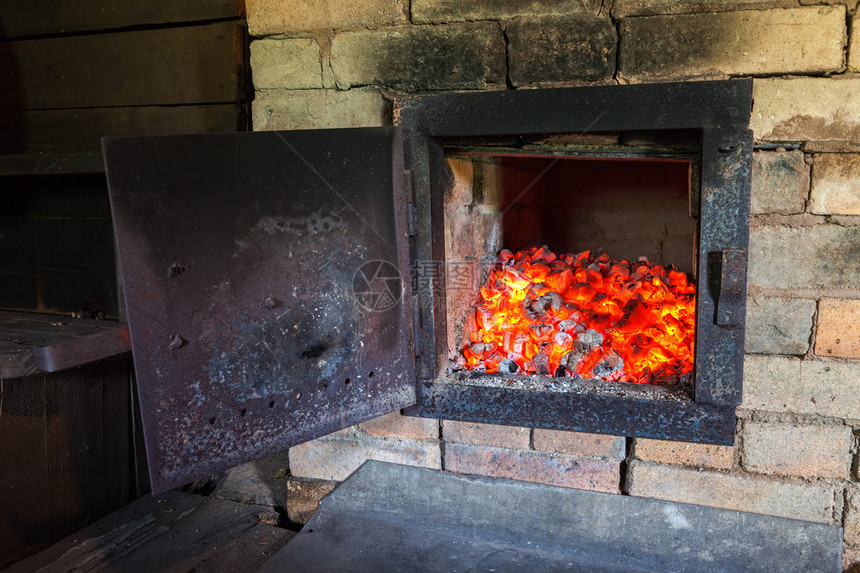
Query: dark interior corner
x=72 y=447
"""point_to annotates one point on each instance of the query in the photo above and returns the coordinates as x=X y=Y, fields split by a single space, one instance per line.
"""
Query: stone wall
x=323 y=64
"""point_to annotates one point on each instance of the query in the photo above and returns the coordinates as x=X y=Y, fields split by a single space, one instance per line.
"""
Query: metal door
x=266 y=286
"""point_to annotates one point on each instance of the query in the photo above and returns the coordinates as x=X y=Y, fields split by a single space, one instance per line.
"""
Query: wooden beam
x=22 y=18
x=173 y=531
x=187 y=65
x=24 y=131
x=52 y=163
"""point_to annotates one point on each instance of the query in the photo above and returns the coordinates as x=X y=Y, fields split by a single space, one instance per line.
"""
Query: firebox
x=567 y=307
x=283 y=285
x=682 y=151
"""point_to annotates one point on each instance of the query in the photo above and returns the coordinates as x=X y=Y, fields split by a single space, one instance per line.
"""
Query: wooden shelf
x=40 y=343
x=52 y=163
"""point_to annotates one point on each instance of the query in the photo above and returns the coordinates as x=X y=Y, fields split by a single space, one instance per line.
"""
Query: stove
x=282 y=285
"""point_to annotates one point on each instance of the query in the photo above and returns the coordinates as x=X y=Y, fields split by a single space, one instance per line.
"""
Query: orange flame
x=574 y=315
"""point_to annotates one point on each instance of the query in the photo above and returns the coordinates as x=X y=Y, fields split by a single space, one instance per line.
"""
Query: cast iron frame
x=719 y=112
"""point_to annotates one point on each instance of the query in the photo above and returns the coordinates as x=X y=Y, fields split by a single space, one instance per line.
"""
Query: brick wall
x=326 y=64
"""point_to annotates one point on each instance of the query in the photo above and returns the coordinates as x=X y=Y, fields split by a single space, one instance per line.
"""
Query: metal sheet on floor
x=389 y=517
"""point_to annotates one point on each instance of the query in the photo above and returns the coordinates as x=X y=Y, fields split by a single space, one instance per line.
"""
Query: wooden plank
x=247 y=552
x=116 y=429
x=173 y=531
x=56 y=252
x=21 y=332
x=20 y=18
x=24 y=511
x=81 y=197
x=75 y=445
x=52 y=163
x=82 y=129
x=62 y=454
x=19 y=329
x=187 y=65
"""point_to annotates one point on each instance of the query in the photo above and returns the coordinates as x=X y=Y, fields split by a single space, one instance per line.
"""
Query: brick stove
x=794 y=452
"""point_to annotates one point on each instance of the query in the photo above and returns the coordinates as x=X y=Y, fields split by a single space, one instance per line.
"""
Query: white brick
x=293 y=64
x=816 y=502
x=778 y=325
x=806 y=109
x=800 y=450
x=799 y=40
x=780 y=182
x=777 y=384
x=318 y=109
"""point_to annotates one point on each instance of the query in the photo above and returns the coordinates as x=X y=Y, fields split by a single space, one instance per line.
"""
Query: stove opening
x=569 y=262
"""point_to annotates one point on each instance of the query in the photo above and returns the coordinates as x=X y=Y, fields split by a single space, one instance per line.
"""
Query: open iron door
x=266 y=288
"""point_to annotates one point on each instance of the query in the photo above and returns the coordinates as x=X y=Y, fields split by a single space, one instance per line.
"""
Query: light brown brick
x=304 y=495
x=799 y=500
x=461 y=193
x=288 y=16
x=814 y=256
x=800 y=450
x=336 y=456
x=683 y=453
x=838 y=332
x=561 y=470
x=771 y=383
x=485 y=434
x=460 y=238
x=834 y=388
x=799 y=40
x=580 y=444
x=778 y=325
x=854 y=43
x=780 y=182
x=623 y=8
x=852 y=515
x=396 y=425
x=435 y=11
x=776 y=384
x=850 y=558
x=418 y=58
x=836 y=184
x=293 y=63
x=489 y=174
x=806 y=109
x=318 y=109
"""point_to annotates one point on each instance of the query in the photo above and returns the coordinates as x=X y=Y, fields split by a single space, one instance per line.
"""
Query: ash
x=571 y=385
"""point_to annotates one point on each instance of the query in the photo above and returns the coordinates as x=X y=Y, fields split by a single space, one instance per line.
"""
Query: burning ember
x=574 y=315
